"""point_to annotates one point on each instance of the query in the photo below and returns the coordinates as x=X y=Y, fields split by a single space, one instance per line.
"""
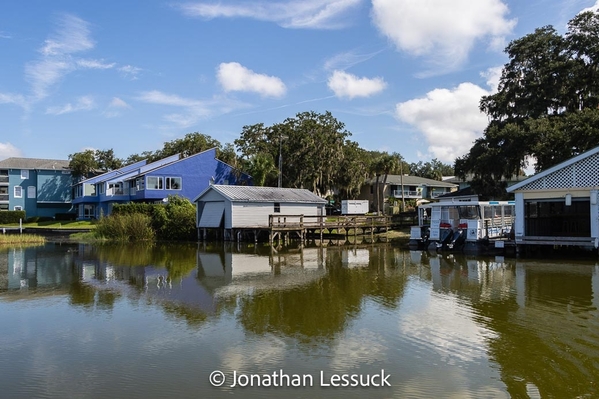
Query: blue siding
x=196 y=173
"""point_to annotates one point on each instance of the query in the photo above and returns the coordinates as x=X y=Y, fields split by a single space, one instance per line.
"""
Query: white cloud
x=9 y=98
x=348 y=59
x=8 y=150
x=94 y=64
x=193 y=110
x=593 y=8
x=442 y=31
x=346 y=85
x=115 y=107
x=84 y=103
x=308 y=14
x=449 y=120
x=4 y=35
x=493 y=75
x=71 y=36
x=130 y=71
x=235 y=77
x=118 y=103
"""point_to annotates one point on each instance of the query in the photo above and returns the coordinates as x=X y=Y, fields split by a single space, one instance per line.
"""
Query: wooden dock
x=282 y=227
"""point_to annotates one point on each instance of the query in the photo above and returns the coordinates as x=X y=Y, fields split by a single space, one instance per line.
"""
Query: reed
x=21 y=239
x=127 y=227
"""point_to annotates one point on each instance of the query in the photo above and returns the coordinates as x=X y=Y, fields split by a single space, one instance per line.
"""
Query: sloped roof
x=412 y=181
x=264 y=194
x=34 y=163
x=577 y=172
x=465 y=192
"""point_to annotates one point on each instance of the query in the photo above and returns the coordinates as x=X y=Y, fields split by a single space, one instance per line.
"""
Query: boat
x=454 y=224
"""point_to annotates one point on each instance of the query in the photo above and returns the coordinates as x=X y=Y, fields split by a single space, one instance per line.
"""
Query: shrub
x=173 y=221
x=128 y=227
x=11 y=216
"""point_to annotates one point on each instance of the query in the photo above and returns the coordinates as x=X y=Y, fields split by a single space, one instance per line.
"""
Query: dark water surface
x=82 y=321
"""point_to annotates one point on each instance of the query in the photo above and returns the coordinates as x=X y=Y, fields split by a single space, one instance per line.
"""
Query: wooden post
x=321 y=227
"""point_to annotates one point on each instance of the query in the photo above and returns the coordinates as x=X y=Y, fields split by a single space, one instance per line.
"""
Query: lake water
x=83 y=321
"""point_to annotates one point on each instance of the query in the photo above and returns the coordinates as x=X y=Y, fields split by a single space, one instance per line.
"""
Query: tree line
x=312 y=150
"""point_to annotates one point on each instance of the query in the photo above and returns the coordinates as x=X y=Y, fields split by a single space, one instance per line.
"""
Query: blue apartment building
x=153 y=182
x=40 y=187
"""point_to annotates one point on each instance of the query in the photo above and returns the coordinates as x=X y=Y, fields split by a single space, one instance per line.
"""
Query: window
x=18 y=192
x=154 y=183
x=24 y=174
x=101 y=188
x=18 y=208
x=277 y=207
x=140 y=183
x=173 y=183
x=31 y=192
x=88 y=211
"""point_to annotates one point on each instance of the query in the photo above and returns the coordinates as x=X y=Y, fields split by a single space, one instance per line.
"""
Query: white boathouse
x=559 y=206
x=234 y=209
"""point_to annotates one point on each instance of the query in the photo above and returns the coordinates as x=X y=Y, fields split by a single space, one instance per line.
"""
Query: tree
x=89 y=162
x=434 y=169
x=545 y=106
x=261 y=167
x=311 y=146
x=83 y=164
x=107 y=161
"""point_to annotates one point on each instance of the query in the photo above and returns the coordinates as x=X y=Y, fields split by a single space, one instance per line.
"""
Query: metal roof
x=264 y=194
x=34 y=163
x=411 y=181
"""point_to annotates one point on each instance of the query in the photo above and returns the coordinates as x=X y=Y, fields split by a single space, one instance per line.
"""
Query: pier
x=283 y=228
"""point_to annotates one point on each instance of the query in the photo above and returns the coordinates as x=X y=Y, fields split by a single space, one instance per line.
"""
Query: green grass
x=21 y=239
x=55 y=224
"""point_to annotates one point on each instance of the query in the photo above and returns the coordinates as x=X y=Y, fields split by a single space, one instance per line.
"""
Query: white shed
x=559 y=206
x=245 y=207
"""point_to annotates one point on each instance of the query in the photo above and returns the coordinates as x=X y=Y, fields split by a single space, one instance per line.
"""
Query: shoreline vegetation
x=12 y=239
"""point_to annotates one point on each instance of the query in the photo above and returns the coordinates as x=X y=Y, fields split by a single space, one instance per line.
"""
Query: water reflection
x=442 y=324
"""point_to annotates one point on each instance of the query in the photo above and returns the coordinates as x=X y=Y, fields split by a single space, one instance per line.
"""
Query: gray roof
x=264 y=194
x=412 y=181
x=34 y=163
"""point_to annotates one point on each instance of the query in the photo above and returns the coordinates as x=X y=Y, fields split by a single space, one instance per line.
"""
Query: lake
x=371 y=320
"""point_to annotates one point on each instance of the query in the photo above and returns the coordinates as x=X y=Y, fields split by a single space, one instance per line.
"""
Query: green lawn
x=54 y=224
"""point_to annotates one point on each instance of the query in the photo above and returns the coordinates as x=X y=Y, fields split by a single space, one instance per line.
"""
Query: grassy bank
x=53 y=224
x=21 y=239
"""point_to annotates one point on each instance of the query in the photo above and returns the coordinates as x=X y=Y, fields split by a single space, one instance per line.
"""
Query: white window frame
x=153 y=186
x=169 y=183
x=24 y=173
x=20 y=190
x=18 y=208
x=31 y=192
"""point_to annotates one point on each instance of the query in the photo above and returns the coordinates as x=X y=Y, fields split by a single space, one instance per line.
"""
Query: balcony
x=3 y=197
x=407 y=194
x=4 y=180
x=117 y=191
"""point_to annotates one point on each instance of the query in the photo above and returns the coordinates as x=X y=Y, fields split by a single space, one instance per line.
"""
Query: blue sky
x=403 y=75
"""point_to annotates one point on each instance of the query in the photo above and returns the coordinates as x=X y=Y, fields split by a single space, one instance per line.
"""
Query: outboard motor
x=445 y=236
x=459 y=237
x=425 y=233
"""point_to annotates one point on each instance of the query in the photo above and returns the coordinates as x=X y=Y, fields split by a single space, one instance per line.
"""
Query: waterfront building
x=559 y=206
x=40 y=187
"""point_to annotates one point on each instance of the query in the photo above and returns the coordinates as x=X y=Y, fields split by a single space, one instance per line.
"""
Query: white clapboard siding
x=212 y=214
x=255 y=214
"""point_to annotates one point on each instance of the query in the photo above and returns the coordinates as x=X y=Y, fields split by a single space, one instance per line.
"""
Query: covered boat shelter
x=559 y=206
